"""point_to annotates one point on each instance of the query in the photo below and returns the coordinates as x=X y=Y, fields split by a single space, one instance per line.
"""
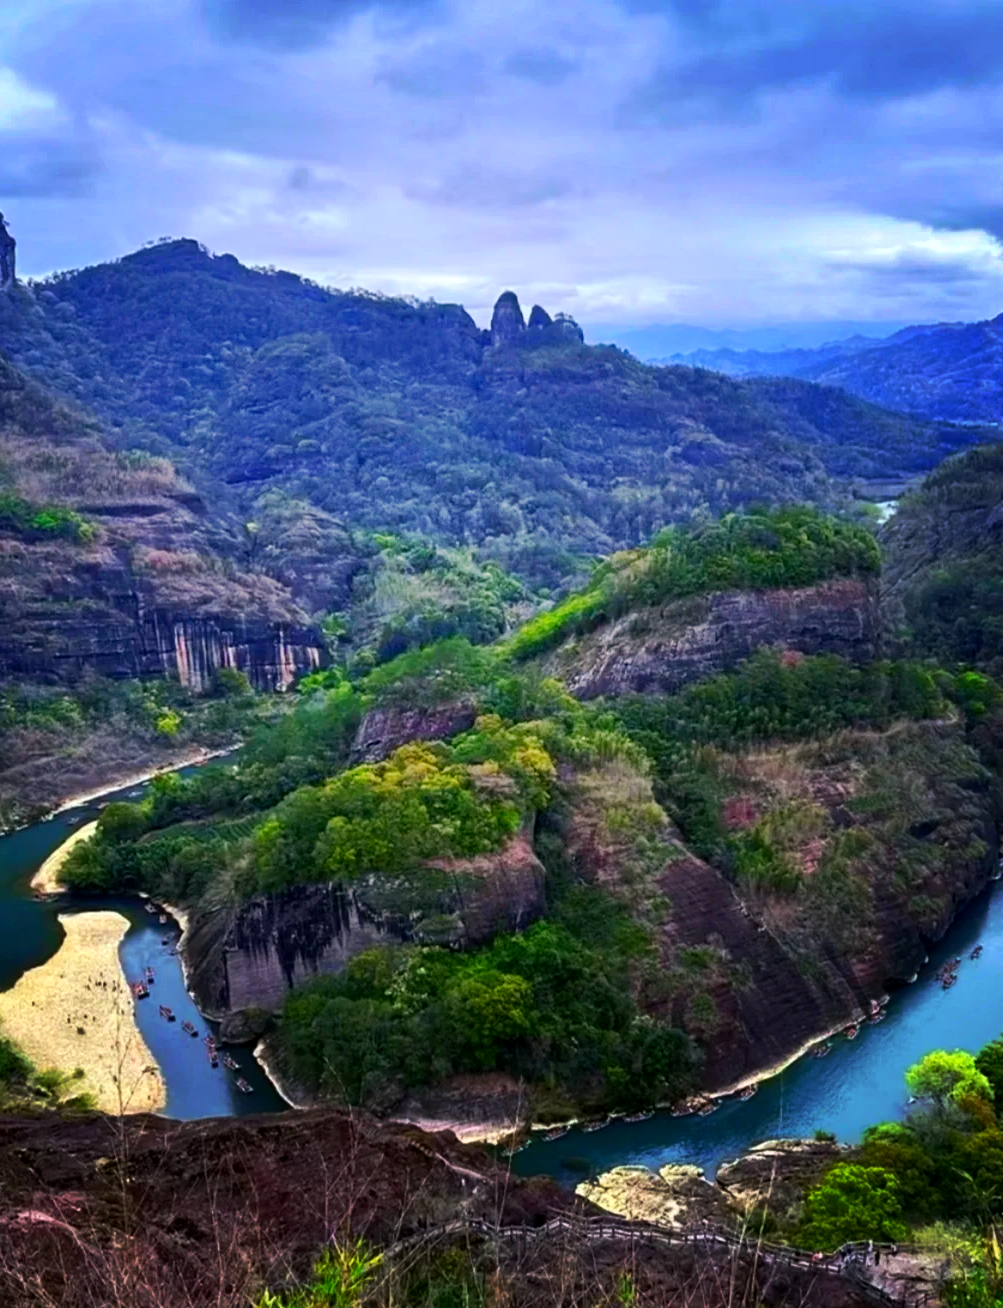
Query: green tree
x=490 y=1010
x=122 y=822
x=989 y=1062
x=853 y=1203
x=947 y=1077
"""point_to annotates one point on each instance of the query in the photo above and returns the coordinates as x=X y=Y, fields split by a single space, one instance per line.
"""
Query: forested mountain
x=944 y=563
x=945 y=372
x=404 y=416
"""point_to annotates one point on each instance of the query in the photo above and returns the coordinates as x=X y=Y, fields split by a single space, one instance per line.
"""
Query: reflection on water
x=859 y=1083
x=30 y=935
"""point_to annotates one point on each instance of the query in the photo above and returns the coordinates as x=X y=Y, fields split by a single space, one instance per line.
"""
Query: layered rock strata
x=661 y=650
x=250 y=955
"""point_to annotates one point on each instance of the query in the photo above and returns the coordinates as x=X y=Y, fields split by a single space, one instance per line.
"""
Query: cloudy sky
x=627 y=161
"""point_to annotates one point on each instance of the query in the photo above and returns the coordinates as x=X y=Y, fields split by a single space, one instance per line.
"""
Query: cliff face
x=663 y=649
x=149 y=582
x=891 y=835
x=383 y=730
x=71 y=611
x=250 y=956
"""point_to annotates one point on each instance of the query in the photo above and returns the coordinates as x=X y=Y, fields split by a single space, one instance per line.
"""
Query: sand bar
x=46 y=879
x=84 y=982
x=191 y=758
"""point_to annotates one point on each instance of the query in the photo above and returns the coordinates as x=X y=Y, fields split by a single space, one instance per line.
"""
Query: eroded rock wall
x=663 y=649
x=251 y=955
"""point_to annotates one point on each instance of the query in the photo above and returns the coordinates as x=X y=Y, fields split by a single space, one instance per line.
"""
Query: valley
x=598 y=751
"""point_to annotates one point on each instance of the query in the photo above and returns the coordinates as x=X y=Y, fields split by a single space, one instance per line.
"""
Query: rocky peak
x=7 y=248
x=507 y=324
x=566 y=329
x=539 y=319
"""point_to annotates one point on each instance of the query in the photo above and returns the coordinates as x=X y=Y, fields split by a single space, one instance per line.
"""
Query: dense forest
x=290 y=401
x=944 y=563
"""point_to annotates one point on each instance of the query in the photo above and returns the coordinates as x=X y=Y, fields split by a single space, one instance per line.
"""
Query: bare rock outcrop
x=507 y=324
x=383 y=730
x=661 y=650
x=250 y=955
x=8 y=269
x=678 y=1196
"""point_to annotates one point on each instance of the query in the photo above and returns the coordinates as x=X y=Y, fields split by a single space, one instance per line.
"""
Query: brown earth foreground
x=146 y=1213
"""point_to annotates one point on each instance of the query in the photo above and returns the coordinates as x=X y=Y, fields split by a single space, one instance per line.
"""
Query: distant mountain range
x=659 y=342
x=945 y=371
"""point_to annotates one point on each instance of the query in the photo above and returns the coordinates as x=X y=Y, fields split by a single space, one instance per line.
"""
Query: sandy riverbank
x=76 y=1011
x=189 y=759
x=46 y=879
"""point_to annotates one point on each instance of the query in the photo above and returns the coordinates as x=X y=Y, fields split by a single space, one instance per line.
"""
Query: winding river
x=860 y=1082
x=30 y=935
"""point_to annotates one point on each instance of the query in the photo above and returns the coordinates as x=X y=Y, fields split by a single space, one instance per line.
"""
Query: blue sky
x=725 y=162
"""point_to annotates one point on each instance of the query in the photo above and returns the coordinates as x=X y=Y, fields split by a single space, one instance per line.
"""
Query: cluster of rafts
x=947 y=975
x=704 y=1105
x=141 y=990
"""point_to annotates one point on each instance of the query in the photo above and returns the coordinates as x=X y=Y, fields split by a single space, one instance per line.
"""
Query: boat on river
x=167 y=1013
x=748 y=1092
x=976 y=951
x=149 y=976
x=822 y=1051
x=640 y=1117
x=230 y=1063
x=150 y=908
x=709 y=1108
x=243 y=1086
x=162 y=918
x=213 y=1056
x=589 y=1127
x=852 y=1032
x=139 y=990
x=189 y=1029
x=556 y=1132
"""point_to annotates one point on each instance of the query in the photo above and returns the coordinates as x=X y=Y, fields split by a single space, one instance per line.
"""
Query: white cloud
x=457 y=151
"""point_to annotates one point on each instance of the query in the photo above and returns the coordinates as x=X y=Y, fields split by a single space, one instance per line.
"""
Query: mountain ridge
x=947 y=371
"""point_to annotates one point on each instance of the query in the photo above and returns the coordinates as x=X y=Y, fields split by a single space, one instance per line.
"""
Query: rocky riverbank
x=775 y=1173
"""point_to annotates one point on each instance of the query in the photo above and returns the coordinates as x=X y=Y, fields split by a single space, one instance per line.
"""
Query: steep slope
x=112 y=568
x=728 y=870
x=943 y=579
x=401 y=415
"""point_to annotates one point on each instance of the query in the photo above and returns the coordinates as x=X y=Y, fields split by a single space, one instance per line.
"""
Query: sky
x=722 y=162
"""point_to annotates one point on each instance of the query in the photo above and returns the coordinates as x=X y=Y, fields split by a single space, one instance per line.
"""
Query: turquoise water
x=30 y=935
x=859 y=1083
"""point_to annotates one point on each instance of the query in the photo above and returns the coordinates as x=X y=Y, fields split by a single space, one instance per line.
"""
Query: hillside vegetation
x=944 y=570
x=403 y=416
x=802 y=780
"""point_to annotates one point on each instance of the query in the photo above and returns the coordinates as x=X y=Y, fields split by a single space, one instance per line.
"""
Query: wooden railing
x=851 y=1260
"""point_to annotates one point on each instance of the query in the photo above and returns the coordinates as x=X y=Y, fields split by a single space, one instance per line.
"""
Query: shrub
x=761 y=549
